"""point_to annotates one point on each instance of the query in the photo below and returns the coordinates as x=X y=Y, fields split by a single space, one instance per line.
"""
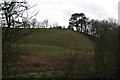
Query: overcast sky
x=60 y=10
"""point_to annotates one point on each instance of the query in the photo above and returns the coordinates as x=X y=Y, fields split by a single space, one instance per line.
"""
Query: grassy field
x=50 y=53
x=56 y=42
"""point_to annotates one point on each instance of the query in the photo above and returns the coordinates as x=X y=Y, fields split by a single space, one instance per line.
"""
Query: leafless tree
x=34 y=23
x=46 y=23
x=14 y=16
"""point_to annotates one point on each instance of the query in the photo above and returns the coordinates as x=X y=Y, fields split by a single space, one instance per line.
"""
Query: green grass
x=44 y=74
x=56 y=42
x=34 y=49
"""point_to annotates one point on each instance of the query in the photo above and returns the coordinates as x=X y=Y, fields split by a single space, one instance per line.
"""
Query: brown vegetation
x=43 y=63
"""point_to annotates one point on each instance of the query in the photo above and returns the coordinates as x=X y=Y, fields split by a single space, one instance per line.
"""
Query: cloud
x=61 y=10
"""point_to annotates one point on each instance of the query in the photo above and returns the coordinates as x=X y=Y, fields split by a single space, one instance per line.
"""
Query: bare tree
x=55 y=24
x=106 y=55
x=14 y=16
x=34 y=23
x=46 y=23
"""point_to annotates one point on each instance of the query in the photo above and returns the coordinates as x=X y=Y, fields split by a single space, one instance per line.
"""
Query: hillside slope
x=56 y=41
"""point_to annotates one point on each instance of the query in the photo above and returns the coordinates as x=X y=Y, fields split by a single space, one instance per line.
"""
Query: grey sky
x=61 y=10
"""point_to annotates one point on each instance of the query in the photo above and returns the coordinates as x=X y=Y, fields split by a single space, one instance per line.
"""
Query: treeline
x=90 y=26
x=44 y=24
x=105 y=34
